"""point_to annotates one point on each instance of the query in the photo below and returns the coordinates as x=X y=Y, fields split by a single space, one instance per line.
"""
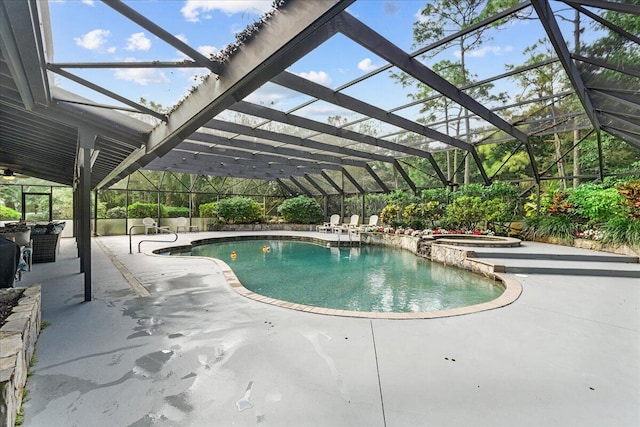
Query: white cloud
x=182 y=38
x=484 y=50
x=207 y=50
x=138 y=41
x=270 y=94
x=93 y=39
x=319 y=77
x=89 y=2
x=366 y=65
x=321 y=112
x=142 y=76
x=193 y=8
x=111 y=49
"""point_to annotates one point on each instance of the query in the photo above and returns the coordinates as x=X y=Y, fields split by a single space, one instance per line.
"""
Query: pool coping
x=512 y=287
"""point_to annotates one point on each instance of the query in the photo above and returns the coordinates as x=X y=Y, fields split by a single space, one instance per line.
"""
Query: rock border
x=18 y=335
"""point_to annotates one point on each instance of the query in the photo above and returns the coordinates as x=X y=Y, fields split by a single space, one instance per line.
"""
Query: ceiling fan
x=9 y=174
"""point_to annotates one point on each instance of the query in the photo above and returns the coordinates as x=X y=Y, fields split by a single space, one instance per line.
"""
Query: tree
x=436 y=20
x=543 y=82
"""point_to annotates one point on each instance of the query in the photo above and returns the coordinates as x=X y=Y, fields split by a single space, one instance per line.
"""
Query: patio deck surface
x=196 y=353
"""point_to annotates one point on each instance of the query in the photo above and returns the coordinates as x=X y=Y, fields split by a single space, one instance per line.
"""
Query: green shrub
x=432 y=211
x=422 y=215
x=495 y=210
x=596 y=204
x=390 y=215
x=561 y=227
x=413 y=216
x=300 y=210
x=442 y=195
x=239 y=210
x=117 y=212
x=622 y=230
x=208 y=210
x=177 y=211
x=402 y=198
x=143 y=210
x=472 y=190
x=466 y=212
x=8 y=214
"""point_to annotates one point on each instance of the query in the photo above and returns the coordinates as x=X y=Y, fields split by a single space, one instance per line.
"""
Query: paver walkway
x=195 y=353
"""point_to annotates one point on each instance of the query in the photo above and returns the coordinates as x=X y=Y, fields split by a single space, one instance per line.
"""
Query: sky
x=89 y=31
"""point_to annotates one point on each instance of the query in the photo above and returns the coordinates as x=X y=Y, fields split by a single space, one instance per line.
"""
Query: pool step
x=582 y=266
x=561 y=257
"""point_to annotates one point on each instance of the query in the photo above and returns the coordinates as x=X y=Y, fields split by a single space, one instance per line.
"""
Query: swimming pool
x=364 y=279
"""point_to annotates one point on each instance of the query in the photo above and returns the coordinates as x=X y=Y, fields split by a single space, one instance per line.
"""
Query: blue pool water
x=367 y=278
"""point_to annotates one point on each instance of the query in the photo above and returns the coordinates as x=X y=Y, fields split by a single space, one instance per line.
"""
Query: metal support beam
x=262 y=148
x=332 y=182
x=301 y=187
x=371 y=40
x=307 y=87
x=274 y=48
x=293 y=140
x=633 y=140
x=377 y=179
x=315 y=185
x=606 y=23
x=23 y=49
x=347 y=175
x=286 y=187
x=600 y=158
x=406 y=177
x=163 y=34
x=126 y=64
x=86 y=142
x=609 y=5
x=234 y=169
x=634 y=72
x=205 y=159
x=141 y=108
x=302 y=122
x=551 y=27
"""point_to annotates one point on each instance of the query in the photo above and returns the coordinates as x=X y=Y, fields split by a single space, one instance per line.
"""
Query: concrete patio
x=195 y=353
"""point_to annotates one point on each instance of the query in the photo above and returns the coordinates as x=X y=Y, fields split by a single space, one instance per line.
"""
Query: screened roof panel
x=277 y=97
x=380 y=89
x=328 y=65
x=326 y=112
x=288 y=129
x=374 y=127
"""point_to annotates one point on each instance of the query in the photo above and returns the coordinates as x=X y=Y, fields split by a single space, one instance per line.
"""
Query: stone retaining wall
x=263 y=227
x=599 y=246
x=401 y=241
x=18 y=335
x=463 y=258
x=445 y=254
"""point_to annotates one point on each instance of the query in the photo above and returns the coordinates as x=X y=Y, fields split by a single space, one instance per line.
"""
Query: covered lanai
x=220 y=129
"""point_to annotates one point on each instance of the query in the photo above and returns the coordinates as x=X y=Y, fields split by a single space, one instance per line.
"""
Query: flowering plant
x=428 y=232
x=589 y=234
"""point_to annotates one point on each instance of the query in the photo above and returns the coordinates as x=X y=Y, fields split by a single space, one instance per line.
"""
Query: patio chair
x=183 y=223
x=149 y=224
x=352 y=225
x=24 y=241
x=373 y=221
x=328 y=226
